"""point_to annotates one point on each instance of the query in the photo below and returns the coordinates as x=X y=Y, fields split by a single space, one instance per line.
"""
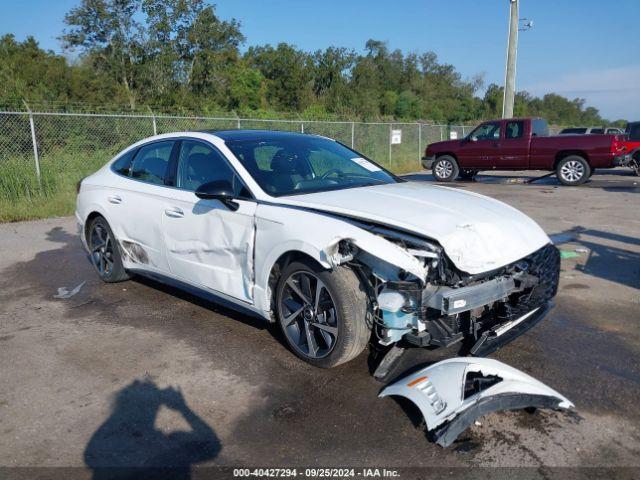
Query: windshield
x=303 y=164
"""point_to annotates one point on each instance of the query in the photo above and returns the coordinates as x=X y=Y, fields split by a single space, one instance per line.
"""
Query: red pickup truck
x=523 y=144
x=632 y=146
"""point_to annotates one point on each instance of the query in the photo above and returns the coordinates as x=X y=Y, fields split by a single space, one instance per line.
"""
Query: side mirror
x=218 y=190
x=473 y=139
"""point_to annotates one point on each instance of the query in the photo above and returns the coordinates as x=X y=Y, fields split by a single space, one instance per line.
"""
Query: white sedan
x=304 y=231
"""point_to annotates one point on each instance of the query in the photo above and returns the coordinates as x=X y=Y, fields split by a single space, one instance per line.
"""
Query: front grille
x=544 y=264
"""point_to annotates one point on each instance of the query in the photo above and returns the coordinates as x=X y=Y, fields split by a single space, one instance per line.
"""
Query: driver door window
x=199 y=163
x=487 y=131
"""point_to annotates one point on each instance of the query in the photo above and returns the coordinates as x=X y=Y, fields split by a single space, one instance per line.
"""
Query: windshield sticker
x=366 y=164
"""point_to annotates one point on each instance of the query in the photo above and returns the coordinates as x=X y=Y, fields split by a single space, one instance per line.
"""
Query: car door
x=207 y=243
x=514 y=146
x=139 y=202
x=480 y=148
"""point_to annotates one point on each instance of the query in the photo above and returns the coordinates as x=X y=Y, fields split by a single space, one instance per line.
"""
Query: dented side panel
x=210 y=245
x=452 y=393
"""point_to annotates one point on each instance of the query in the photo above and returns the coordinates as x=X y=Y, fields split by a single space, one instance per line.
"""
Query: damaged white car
x=306 y=232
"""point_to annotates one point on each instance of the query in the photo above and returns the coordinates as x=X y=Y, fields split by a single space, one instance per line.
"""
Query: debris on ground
x=65 y=293
x=454 y=393
x=568 y=254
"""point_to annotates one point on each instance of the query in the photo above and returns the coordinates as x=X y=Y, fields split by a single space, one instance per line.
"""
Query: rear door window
x=123 y=164
x=539 y=128
x=151 y=162
x=514 y=130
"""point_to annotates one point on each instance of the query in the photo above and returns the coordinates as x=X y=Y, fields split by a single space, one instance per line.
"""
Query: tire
x=445 y=169
x=466 y=174
x=104 y=251
x=635 y=164
x=573 y=170
x=344 y=334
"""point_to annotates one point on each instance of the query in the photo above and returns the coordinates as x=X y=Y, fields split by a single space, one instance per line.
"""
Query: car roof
x=263 y=135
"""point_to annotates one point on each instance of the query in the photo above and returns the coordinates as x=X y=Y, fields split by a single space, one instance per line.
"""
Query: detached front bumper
x=427 y=162
x=453 y=393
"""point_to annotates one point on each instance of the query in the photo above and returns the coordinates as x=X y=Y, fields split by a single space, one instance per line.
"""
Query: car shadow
x=614 y=180
x=608 y=262
x=128 y=445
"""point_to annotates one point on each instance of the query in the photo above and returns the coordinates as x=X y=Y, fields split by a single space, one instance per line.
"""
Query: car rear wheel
x=635 y=163
x=322 y=313
x=105 y=252
x=573 y=170
x=445 y=169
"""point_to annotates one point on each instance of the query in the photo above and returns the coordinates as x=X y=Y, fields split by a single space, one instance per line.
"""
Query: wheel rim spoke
x=311 y=343
x=297 y=291
x=319 y=287
x=326 y=328
x=305 y=287
x=97 y=247
x=288 y=320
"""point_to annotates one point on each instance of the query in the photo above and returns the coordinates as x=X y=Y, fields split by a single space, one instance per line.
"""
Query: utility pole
x=510 y=70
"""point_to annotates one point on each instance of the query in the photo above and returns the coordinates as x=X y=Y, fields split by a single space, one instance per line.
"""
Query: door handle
x=174 y=212
x=114 y=199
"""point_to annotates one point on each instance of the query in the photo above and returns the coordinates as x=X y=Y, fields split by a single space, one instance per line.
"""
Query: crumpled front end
x=453 y=393
x=439 y=305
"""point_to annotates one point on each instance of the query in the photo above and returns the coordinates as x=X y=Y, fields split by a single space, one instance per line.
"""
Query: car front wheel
x=322 y=313
x=445 y=169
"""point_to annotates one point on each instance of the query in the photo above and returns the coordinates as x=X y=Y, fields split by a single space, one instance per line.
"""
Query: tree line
x=178 y=55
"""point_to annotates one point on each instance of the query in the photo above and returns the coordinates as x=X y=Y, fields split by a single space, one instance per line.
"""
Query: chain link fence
x=43 y=155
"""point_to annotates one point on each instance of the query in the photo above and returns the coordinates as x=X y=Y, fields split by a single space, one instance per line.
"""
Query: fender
x=81 y=217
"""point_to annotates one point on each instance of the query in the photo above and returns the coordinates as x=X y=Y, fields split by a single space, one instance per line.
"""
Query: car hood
x=478 y=233
x=442 y=146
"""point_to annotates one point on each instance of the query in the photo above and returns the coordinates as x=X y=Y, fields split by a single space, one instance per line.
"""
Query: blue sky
x=578 y=48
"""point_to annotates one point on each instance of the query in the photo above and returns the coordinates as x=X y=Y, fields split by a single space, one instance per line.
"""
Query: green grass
x=22 y=197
